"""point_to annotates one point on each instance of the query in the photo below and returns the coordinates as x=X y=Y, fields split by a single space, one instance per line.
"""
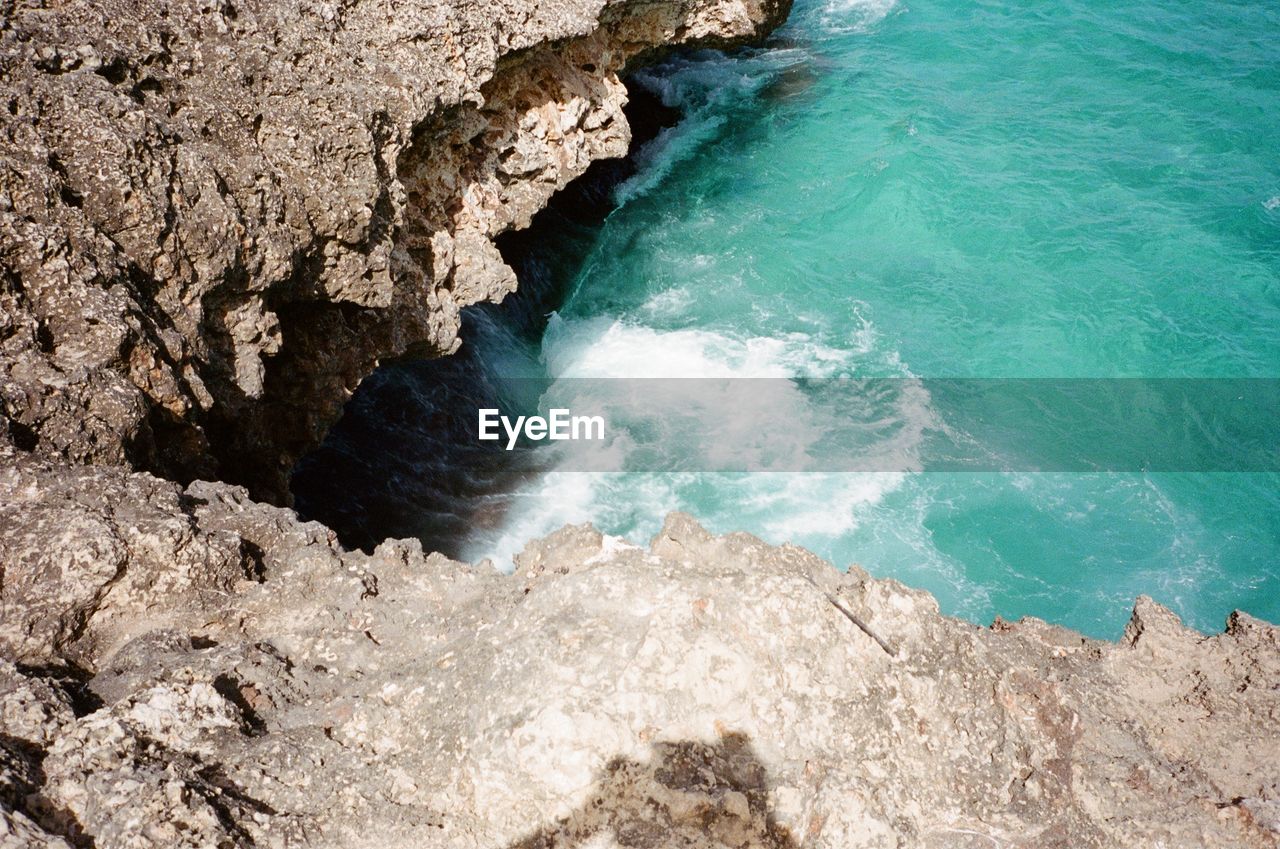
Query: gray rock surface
x=704 y=691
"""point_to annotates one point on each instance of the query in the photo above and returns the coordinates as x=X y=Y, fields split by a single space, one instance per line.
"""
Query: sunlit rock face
x=243 y=678
x=218 y=217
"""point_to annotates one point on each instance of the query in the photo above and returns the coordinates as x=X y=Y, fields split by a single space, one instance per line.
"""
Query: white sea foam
x=775 y=426
x=855 y=16
x=671 y=302
x=614 y=348
x=708 y=89
x=552 y=501
x=802 y=507
x=631 y=505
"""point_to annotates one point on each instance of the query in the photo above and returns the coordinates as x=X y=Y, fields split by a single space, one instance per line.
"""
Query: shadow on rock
x=689 y=794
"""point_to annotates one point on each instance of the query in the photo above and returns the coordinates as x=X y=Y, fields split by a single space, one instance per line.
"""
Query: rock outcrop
x=216 y=217
x=241 y=680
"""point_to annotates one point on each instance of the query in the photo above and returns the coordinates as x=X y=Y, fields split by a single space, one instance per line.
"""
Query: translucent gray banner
x=876 y=424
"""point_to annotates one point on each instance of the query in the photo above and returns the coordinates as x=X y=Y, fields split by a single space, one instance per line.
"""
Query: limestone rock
x=703 y=691
x=216 y=217
x=97 y=544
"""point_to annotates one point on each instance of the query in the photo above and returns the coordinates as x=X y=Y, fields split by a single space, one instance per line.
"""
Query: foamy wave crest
x=854 y=16
x=797 y=508
x=550 y=502
x=806 y=509
x=706 y=424
x=708 y=88
x=731 y=419
x=613 y=348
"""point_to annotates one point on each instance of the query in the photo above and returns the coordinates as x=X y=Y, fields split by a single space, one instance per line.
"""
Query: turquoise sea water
x=950 y=188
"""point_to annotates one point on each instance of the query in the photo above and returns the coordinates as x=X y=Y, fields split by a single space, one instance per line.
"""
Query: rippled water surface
x=947 y=189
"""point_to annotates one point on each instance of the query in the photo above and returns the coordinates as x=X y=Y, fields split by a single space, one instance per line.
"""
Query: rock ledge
x=241 y=680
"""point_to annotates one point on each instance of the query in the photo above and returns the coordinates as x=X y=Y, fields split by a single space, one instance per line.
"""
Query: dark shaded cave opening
x=403 y=461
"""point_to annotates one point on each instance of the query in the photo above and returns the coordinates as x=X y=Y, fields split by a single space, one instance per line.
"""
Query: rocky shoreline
x=193 y=668
x=215 y=220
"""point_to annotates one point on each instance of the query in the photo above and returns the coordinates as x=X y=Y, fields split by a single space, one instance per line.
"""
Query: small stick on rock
x=854 y=618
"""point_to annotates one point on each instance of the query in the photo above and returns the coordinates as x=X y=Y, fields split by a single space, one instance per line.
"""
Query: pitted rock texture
x=216 y=217
x=702 y=692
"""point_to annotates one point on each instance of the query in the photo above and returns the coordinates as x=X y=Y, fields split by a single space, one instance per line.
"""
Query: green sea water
x=951 y=188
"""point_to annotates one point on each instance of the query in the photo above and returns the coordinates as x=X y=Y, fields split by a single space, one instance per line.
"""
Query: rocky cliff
x=215 y=219
x=244 y=681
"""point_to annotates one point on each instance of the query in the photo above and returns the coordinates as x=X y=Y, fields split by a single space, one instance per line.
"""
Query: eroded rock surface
x=216 y=217
x=704 y=691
